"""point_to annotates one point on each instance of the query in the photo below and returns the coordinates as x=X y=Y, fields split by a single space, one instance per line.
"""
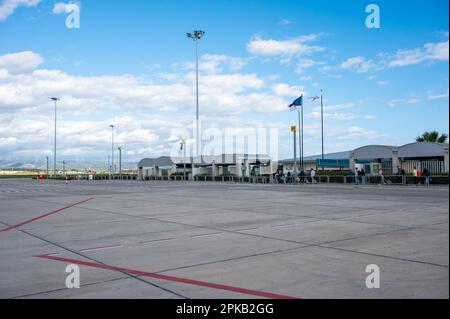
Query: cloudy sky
x=130 y=64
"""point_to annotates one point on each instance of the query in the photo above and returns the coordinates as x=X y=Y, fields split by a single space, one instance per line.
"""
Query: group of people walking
x=421 y=177
x=289 y=178
x=309 y=177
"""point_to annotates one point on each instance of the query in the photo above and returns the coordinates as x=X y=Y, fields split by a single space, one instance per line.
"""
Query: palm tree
x=432 y=137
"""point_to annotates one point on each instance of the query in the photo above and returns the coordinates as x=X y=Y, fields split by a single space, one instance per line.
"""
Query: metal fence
x=319 y=179
x=434 y=167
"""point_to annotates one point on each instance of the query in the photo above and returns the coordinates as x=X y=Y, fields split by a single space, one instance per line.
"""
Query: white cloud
x=146 y=111
x=283 y=48
x=359 y=64
x=411 y=100
x=305 y=64
x=331 y=112
x=7 y=7
x=430 y=52
x=284 y=89
x=285 y=22
x=382 y=83
x=438 y=96
x=62 y=7
x=227 y=93
x=335 y=116
x=214 y=63
x=20 y=62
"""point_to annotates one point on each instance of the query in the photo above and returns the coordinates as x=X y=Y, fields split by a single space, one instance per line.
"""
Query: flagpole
x=302 y=136
x=295 y=156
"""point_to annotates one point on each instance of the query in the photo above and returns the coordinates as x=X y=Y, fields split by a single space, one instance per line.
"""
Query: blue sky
x=130 y=63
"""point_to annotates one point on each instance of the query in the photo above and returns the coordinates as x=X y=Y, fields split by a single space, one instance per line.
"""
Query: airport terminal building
x=433 y=156
x=241 y=165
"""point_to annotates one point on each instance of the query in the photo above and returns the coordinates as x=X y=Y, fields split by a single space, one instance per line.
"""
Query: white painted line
x=204 y=235
x=101 y=248
x=245 y=229
x=283 y=225
x=54 y=254
x=156 y=241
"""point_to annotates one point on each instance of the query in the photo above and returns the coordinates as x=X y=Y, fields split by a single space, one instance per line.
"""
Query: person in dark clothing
x=363 y=176
x=425 y=175
x=302 y=176
x=358 y=177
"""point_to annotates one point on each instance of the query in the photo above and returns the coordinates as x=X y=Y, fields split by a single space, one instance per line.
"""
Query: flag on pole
x=297 y=102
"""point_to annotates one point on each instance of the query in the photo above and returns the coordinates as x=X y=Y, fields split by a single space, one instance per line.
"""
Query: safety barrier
x=318 y=179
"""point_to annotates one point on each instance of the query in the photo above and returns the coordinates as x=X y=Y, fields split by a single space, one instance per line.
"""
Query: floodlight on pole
x=112 y=149
x=120 y=161
x=196 y=36
x=183 y=148
x=54 y=99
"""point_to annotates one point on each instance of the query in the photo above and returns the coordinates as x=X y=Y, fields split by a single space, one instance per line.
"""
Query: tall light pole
x=112 y=150
x=46 y=177
x=196 y=36
x=54 y=99
x=321 y=119
x=120 y=161
x=183 y=148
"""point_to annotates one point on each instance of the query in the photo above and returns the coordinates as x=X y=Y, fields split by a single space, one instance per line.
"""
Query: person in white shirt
x=313 y=176
x=381 y=175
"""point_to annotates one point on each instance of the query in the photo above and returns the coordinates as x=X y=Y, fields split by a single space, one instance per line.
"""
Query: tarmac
x=135 y=239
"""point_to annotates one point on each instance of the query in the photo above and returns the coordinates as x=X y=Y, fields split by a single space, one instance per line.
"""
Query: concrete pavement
x=189 y=239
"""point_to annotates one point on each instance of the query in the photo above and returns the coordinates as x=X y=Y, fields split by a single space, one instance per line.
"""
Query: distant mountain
x=79 y=165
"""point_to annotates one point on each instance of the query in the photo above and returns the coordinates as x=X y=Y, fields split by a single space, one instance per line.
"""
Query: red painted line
x=45 y=215
x=171 y=278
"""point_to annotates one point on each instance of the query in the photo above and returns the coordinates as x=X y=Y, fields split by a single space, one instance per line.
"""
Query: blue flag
x=297 y=102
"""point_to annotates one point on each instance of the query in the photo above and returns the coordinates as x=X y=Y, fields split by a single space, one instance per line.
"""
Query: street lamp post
x=196 y=36
x=112 y=151
x=321 y=119
x=120 y=161
x=46 y=177
x=54 y=99
x=183 y=147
